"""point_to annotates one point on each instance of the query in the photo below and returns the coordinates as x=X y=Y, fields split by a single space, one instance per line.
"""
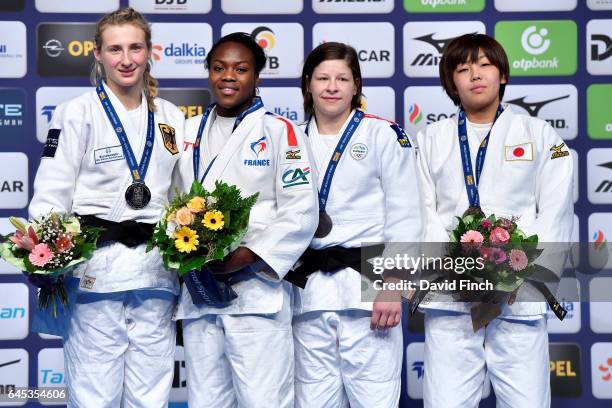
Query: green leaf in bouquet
x=532 y=239
x=191 y=264
x=468 y=219
x=227 y=220
x=526 y=273
x=197 y=189
x=508 y=287
x=6 y=253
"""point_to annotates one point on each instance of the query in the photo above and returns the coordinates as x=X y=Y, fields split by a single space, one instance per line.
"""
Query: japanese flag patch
x=520 y=152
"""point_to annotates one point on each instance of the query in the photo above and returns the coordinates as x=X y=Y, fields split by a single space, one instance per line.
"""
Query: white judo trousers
x=340 y=360
x=362 y=369
x=119 y=349
x=239 y=360
x=513 y=352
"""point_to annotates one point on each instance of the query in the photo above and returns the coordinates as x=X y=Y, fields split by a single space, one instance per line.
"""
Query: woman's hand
x=234 y=261
x=387 y=310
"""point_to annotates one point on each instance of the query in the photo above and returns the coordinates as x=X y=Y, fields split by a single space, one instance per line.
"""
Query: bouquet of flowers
x=50 y=246
x=507 y=254
x=199 y=227
x=504 y=257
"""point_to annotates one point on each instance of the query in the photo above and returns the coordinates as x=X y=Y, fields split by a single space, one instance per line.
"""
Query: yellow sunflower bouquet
x=202 y=226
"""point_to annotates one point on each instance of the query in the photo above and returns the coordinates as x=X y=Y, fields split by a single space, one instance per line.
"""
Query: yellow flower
x=186 y=240
x=213 y=220
x=171 y=217
x=196 y=204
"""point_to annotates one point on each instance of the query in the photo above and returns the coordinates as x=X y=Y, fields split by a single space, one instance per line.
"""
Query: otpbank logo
x=539 y=48
x=599 y=111
x=444 y=6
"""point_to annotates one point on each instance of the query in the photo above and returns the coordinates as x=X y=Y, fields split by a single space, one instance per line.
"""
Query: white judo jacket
x=265 y=154
x=83 y=171
x=535 y=186
x=375 y=197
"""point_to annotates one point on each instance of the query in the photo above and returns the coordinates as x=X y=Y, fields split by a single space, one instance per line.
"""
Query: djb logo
x=534 y=40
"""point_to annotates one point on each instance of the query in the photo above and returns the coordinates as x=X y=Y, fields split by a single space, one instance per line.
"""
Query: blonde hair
x=122 y=16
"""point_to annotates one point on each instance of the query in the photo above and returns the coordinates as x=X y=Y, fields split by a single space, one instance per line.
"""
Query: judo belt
x=555 y=306
x=331 y=260
x=130 y=233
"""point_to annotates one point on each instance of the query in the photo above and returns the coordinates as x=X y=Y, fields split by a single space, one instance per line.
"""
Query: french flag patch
x=520 y=152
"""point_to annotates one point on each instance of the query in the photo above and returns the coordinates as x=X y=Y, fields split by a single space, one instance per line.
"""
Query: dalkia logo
x=539 y=47
x=414 y=114
x=178 y=50
x=286 y=112
x=443 y=6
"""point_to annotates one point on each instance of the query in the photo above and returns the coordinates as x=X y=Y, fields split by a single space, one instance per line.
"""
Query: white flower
x=171 y=228
x=73 y=226
x=211 y=201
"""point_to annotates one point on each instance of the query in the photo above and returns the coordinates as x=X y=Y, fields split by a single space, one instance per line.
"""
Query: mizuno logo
x=607 y=165
x=533 y=108
x=439 y=45
x=9 y=363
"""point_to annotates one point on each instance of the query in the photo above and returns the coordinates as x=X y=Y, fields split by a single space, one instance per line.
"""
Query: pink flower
x=472 y=237
x=486 y=224
x=518 y=260
x=23 y=241
x=40 y=255
x=485 y=252
x=499 y=236
x=63 y=243
x=498 y=255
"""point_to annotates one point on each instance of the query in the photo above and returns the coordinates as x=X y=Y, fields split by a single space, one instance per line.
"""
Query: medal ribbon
x=137 y=171
x=257 y=104
x=335 y=159
x=471 y=184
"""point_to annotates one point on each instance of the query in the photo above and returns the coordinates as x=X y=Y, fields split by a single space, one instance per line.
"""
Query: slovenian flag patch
x=520 y=152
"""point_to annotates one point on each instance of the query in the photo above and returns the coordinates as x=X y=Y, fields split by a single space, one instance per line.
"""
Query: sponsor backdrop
x=561 y=65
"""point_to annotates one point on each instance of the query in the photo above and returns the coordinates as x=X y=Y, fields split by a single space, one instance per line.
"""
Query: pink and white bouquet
x=505 y=252
x=49 y=246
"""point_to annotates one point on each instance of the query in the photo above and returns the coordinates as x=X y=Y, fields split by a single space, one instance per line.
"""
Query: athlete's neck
x=130 y=97
x=330 y=125
x=482 y=115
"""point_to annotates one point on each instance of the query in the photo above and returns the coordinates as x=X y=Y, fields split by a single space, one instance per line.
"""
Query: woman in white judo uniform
x=348 y=351
x=109 y=156
x=242 y=354
x=527 y=173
